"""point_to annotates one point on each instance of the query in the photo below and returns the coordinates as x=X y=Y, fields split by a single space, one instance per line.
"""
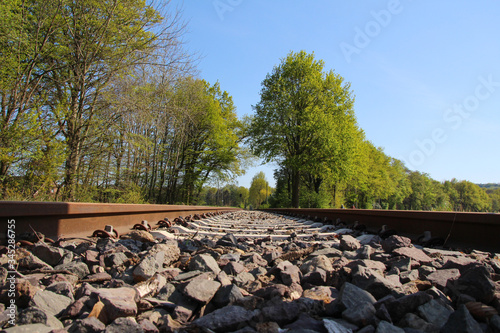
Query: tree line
x=100 y=102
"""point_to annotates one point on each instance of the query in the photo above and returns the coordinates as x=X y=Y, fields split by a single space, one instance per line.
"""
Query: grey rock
x=317 y=277
x=411 y=320
x=319 y=261
x=305 y=322
x=283 y=312
x=119 y=302
x=51 y=255
x=395 y=241
x=349 y=243
x=227 y=295
x=62 y=288
x=409 y=303
x=333 y=326
x=233 y=268
x=409 y=276
x=30 y=262
x=30 y=328
x=87 y=325
x=120 y=325
x=257 y=259
x=204 y=263
x=386 y=327
x=115 y=259
x=476 y=282
x=461 y=263
x=148 y=327
x=243 y=279
x=226 y=319
x=289 y=273
x=50 y=302
x=231 y=257
x=79 y=268
x=494 y=324
x=403 y=264
x=329 y=252
x=413 y=253
x=461 y=321
x=375 y=283
x=34 y=315
x=351 y=296
x=434 y=313
x=360 y=315
x=149 y=266
x=201 y=290
x=441 y=277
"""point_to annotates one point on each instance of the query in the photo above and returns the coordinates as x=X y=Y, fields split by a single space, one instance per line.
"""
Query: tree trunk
x=295 y=188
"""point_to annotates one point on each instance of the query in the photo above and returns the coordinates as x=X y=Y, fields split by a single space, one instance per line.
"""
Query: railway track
x=58 y=220
x=231 y=270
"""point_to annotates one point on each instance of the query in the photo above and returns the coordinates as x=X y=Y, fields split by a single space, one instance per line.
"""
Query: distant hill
x=489 y=186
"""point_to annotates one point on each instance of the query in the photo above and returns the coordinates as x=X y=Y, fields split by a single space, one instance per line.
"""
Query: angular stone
x=78 y=268
x=242 y=279
x=319 y=261
x=289 y=273
x=120 y=325
x=411 y=320
x=34 y=315
x=226 y=319
x=461 y=263
x=476 y=282
x=461 y=321
x=233 y=268
x=139 y=235
x=322 y=293
x=372 y=264
x=149 y=266
x=395 y=241
x=25 y=292
x=409 y=303
x=119 y=302
x=257 y=259
x=204 y=263
x=170 y=250
x=305 y=322
x=413 y=253
x=30 y=262
x=352 y=296
x=441 y=277
x=386 y=327
x=62 y=288
x=333 y=326
x=115 y=259
x=201 y=290
x=317 y=277
x=148 y=327
x=329 y=252
x=375 y=283
x=50 y=254
x=30 y=328
x=227 y=295
x=50 y=302
x=283 y=312
x=434 y=313
x=273 y=290
x=349 y=243
x=89 y=325
x=408 y=276
x=360 y=315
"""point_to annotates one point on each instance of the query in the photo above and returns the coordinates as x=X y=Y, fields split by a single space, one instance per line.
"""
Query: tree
x=304 y=120
x=259 y=190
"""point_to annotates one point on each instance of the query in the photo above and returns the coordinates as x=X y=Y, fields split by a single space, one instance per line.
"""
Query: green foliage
x=305 y=120
x=259 y=190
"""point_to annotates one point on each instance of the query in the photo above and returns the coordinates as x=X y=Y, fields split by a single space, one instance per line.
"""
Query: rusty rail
x=71 y=219
x=466 y=230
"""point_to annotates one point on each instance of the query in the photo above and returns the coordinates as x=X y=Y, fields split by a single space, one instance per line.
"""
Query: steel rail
x=479 y=231
x=74 y=219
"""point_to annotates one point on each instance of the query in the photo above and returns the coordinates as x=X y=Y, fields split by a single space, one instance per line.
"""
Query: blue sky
x=426 y=74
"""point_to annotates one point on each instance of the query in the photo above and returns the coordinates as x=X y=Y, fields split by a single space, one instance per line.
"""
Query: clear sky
x=426 y=74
